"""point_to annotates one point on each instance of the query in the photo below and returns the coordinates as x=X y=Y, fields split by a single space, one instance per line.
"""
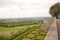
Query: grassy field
x=21 y=30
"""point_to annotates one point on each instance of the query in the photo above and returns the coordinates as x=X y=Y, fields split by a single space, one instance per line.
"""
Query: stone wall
x=52 y=33
x=46 y=24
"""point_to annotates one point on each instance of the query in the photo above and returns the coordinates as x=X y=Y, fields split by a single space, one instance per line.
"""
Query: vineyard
x=22 y=30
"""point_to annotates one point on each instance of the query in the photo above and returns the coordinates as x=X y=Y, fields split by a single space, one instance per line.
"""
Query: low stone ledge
x=52 y=33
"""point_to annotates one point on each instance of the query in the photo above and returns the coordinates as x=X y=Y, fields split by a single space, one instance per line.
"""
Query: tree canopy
x=55 y=10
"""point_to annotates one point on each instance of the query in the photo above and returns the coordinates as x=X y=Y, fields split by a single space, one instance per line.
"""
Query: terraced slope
x=33 y=34
x=12 y=32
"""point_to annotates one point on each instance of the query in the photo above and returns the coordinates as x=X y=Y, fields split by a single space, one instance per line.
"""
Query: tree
x=55 y=10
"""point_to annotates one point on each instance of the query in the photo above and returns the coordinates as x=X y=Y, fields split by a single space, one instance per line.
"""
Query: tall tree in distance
x=55 y=10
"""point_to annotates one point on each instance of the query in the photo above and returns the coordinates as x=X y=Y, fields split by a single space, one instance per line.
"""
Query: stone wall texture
x=46 y=24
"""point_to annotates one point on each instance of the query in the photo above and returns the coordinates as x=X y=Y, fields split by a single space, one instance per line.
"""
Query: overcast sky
x=25 y=8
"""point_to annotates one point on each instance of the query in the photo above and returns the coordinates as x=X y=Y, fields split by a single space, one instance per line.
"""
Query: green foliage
x=19 y=35
x=55 y=10
x=4 y=37
x=43 y=33
x=40 y=37
x=23 y=27
x=20 y=23
x=26 y=39
x=31 y=35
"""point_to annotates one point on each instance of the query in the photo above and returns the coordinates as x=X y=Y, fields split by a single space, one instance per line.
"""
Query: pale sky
x=25 y=8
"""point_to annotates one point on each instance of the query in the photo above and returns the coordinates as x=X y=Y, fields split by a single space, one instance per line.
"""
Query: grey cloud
x=7 y=2
x=3 y=2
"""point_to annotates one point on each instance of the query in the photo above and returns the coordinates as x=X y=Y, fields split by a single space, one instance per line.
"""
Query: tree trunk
x=56 y=17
